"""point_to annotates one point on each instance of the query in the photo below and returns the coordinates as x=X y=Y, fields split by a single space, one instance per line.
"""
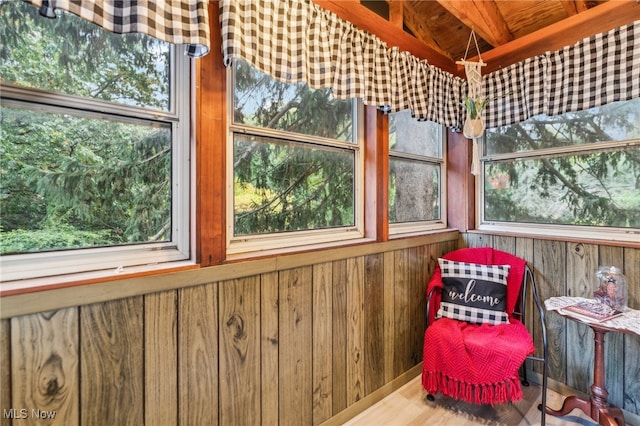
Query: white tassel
x=475 y=159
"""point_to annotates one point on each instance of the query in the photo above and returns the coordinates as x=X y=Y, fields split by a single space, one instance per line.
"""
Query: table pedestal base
x=603 y=413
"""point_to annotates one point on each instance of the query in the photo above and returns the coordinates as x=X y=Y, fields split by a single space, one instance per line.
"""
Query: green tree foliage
x=295 y=186
x=74 y=179
x=598 y=188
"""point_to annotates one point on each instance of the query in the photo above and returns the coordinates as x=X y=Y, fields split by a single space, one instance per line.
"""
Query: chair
x=476 y=342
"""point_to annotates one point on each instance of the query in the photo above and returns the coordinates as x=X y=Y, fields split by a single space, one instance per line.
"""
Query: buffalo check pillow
x=474 y=293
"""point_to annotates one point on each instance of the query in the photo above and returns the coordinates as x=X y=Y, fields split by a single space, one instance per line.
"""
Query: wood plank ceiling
x=507 y=30
x=445 y=25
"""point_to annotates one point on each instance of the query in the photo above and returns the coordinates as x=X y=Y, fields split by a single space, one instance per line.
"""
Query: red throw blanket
x=477 y=363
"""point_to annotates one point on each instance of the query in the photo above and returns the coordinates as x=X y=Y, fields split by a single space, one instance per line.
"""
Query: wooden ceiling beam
x=396 y=13
x=570 y=7
x=422 y=29
x=366 y=20
x=483 y=17
x=599 y=19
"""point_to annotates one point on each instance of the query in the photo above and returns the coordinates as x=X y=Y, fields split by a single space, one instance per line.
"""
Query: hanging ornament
x=474 y=104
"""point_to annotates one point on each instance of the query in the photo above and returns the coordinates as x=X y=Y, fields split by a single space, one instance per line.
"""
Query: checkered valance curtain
x=173 y=21
x=297 y=41
x=597 y=70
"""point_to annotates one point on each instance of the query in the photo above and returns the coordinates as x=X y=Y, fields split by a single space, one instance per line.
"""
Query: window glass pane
x=262 y=101
x=72 y=56
x=78 y=182
x=414 y=191
x=408 y=135
x=597 y=189
x=613 y=122
x=283 y=186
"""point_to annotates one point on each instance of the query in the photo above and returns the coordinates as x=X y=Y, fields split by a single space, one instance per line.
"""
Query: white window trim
x=579 y=232
x=294 y=239
x=397 y=229
x=117 y=258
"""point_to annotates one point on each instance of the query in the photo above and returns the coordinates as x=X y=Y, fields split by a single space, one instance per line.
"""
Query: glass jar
x=612 y=290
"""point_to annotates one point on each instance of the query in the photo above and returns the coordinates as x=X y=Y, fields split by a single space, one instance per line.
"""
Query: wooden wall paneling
x=161 y=358
x=374 y=321
x=339 y=331
x=524 y=250
x=5 y=369
x=322 y=342
x=198 y=355
x=550 y=263
x=402 y=355
x=478 y=240
x=418 y=266
x=270 y=343
x=582 y=260
x=295 y=350
x=44 y=362
x=239 y=343
x=631 y=342
x=355 y=329
x=111 y=362
x=614 y=342
x=504 y=243
x=389 y=342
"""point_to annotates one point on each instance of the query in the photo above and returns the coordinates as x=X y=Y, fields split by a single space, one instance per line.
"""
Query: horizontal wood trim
x=49 y=299
x=627 y=244
x=599 y=19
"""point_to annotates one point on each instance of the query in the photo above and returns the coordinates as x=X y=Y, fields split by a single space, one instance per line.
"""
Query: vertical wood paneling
x=402 y=356
x=389 y=315
x=550 y=261
x=239 y=343
x=112 y=372
x=5 y=369
x=504 y=243
x=269 y=347
x=581 y=264
x=45 y=365
x=524 y=250
x=322 y=341
x=161 y=358
x=339 y=332
x=295 y=378
x=198 y=355
x=418 y=265
x=614 y=342
x=374 y=367
x=478 y=240
x=355 y=329
x=631 y=343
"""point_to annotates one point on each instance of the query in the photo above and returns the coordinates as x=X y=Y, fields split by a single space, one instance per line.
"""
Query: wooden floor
x=408 y=406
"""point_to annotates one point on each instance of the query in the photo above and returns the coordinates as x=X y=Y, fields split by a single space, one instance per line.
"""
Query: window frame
x=400 y=229
x=248 y=244
x=119 y=258
x=571 y=232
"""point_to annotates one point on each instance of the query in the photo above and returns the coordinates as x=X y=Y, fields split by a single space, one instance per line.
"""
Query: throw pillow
x=474 y=293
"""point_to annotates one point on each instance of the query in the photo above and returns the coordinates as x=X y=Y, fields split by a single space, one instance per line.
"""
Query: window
x=296 y=168
x=577 y=174
x=416 y=174
x=95 y=145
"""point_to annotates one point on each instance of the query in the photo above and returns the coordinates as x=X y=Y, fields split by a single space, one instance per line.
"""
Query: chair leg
x=524 y=381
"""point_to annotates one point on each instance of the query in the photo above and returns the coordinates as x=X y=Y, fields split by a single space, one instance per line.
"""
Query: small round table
x=597 y=407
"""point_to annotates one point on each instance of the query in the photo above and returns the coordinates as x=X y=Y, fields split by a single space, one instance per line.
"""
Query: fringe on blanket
x=508 y=390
